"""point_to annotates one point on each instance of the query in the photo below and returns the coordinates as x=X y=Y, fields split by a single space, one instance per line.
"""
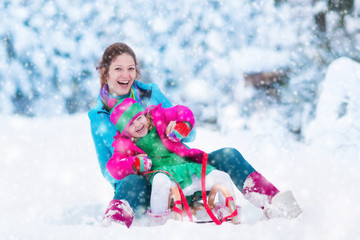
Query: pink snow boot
x=258 y=190
x=118 y=211
x=263 y=194
x=156 y=219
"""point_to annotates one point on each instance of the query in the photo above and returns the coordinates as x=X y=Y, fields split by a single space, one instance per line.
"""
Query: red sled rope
x=204 y=196
x=203 y=193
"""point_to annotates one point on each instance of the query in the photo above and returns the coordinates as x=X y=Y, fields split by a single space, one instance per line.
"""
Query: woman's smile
x=123 y=83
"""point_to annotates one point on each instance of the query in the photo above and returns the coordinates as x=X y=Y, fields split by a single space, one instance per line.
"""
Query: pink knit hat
x=123 y=112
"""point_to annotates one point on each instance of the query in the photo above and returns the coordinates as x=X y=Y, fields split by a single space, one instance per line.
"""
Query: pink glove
x=142 y=164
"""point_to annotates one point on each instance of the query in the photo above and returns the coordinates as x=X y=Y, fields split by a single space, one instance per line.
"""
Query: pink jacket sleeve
x=121 y=163
x=180 y=113
x=119 y=167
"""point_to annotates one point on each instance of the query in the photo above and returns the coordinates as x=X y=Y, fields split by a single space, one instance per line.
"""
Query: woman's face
x=121 y=75
x=139 y=127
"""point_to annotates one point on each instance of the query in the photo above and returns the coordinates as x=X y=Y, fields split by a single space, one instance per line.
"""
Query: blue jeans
x=231 y=161
x=136 y=189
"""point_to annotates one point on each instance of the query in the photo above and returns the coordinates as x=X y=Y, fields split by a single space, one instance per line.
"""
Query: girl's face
x=121 y=75
x=139 y=127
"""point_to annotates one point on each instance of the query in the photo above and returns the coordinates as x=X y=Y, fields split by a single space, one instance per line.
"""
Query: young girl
x=151 y=139
x=144 y=141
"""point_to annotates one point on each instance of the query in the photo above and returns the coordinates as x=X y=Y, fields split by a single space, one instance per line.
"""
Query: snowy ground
x=51 y=186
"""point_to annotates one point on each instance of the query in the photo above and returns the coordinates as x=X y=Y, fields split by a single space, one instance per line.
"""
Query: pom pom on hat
x=112 y=102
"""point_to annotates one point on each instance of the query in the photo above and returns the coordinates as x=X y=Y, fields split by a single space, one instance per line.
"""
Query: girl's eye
x=131 y=69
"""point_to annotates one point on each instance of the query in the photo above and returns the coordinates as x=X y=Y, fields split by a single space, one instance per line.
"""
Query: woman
x=119 y=74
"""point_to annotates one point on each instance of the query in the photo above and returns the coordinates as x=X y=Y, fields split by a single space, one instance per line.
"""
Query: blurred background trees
x=224 y=59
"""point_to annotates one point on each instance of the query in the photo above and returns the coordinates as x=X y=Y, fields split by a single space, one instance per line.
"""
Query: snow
x=254 y=60
x=338 y=106
x=52 y=188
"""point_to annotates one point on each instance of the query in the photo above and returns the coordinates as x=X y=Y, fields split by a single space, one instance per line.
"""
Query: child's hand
x=177 y=131
x=142 y=163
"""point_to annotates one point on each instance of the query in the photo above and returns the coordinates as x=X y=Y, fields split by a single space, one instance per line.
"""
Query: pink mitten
x=142 y=164
x=181 y=130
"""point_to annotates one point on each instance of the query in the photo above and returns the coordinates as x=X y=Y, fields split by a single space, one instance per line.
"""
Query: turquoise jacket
x=103 y=130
